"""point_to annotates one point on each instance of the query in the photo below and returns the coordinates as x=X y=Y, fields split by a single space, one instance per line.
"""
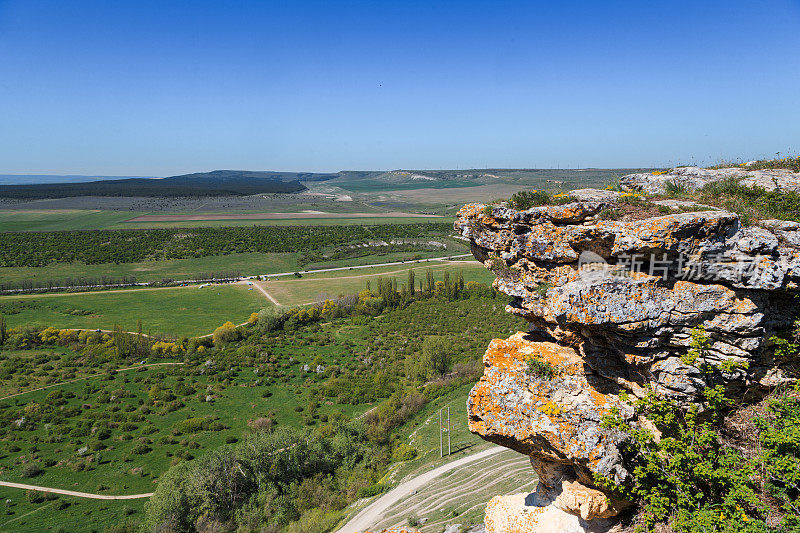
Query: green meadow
x=179 y=311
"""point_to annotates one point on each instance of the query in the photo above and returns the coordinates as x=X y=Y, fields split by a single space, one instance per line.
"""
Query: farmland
x=103 y=413
x=383 y=194
x=192 y=311
x=86 y=219
x=317 y=287
x=244 y=264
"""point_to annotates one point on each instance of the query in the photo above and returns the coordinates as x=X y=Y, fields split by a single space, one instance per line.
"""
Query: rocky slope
x=611 y=307
x=694 y=178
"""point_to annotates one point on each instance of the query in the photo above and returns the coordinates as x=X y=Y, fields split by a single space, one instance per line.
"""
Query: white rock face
x=694 y=178
x=527 y=513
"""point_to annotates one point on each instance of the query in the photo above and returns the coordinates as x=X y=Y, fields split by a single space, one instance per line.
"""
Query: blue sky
x=167 y=87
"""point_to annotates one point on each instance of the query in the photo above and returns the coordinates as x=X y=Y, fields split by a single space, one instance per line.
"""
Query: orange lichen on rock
x=541 y=417
x=612 y=306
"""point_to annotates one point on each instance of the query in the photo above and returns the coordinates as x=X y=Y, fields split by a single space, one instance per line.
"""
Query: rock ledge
x=611 y=306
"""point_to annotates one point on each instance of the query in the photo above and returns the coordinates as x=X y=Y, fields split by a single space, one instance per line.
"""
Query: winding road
x=372 y=513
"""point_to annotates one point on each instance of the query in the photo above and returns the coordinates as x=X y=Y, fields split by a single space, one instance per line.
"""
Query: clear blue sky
x=166 y=87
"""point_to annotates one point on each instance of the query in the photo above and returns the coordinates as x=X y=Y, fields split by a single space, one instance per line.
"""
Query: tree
x=429 y=282
x=411 y=281
x=2 y=329
x=434 y=360
x=225 y=333
x=124 y=342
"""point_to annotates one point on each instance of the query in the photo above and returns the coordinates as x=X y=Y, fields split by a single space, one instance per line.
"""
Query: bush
x=526 y=199
x=315 y=521
x=404 y=452
x=31 y=470
x=372 y=490
x=540 y=368
x=687 y=476
x=193 y=425
x=780 y=453
x=141 y=449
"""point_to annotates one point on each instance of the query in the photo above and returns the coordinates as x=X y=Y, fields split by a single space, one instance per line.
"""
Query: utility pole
x=441 y=451
x=443 y=429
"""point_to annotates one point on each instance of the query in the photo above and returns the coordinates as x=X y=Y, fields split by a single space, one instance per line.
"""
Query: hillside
x=218 y=183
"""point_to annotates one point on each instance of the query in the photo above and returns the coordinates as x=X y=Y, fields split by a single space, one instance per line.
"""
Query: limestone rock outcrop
x=694 y=178
x=611 y=306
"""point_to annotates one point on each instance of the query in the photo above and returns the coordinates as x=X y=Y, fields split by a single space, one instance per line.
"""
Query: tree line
x=35 y=249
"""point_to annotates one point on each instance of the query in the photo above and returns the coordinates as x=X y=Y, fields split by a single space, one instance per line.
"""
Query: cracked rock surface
x=694 y=178
x=611 y=306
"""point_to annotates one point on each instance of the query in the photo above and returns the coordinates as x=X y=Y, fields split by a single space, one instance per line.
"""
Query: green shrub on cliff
x=685 y=475
x=780 y=455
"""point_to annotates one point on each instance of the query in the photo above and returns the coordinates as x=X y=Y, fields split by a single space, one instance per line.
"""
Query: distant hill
x=216 y=183
x=265 y=174
x=26 y=179
x=248 y=182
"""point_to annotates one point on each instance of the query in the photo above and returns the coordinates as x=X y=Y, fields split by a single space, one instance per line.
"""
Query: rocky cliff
x=611 y=306
x=694 y=178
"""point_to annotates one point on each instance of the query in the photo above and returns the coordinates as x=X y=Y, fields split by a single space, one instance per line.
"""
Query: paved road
x=73 y=492
x=371 y=514
x=444 y=258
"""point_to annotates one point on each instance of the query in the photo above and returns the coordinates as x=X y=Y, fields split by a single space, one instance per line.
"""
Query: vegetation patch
x=750 y=203
x=299 y=376
x=633 y=206
x=789 y=163
x=536 y=366
x=690 y=479
x=526 y=199
x=130 y=246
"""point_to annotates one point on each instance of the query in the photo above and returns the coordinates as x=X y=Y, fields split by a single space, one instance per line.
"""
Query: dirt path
x=20 y=517
x=265 y=293
x=105 y=291
x=373 y=513
x=74 y=493
x=84 y=378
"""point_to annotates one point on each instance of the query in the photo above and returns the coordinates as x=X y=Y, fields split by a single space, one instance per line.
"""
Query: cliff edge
x=614 y=310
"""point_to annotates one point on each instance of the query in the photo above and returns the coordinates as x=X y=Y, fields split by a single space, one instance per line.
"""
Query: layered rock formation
x=611 y=307
x=694 y=178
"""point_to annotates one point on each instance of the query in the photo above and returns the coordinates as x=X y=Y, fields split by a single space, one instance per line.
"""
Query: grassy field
x=177 y=311
x=133 y=421
x=62 y=513
x=317 y=287
x=124 y=466
x=285 y=222
x=179 y=269
x=83 y=219
x=60 y=219
x=192 y=311
x=60 y=372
